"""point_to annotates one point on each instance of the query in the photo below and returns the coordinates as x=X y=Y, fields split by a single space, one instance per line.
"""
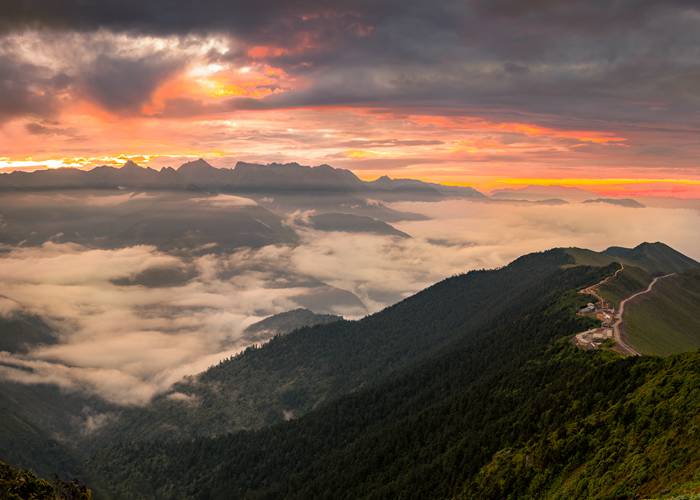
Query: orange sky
x=210 y=110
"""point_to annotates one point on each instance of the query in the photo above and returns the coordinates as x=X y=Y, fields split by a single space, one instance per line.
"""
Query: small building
x=588 y=309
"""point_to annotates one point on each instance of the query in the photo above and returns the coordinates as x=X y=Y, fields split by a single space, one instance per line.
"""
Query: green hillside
x=517 y=412
x=637 y=446
x=585 y=257
x=468 y=389
x=667 y=319
x=654 y=258
x=630 y=281
x=18 y=484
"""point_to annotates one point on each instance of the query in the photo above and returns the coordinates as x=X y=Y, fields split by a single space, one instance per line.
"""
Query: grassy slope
x=585 y=257
x=630 y=281
x=666 y=320
x=654 y=258
x=635 y=277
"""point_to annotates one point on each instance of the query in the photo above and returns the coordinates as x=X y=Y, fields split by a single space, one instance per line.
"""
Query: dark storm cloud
x=41 y=71
x=19 y=89
x=167 y=17
x=48 y=128
x=122 y=84
x=569 y=64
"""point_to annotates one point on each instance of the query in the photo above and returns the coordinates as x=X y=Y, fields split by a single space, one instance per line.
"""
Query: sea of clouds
x=127 y=341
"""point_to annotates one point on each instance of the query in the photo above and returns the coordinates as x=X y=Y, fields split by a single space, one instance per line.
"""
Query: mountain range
x=244 y=177
x=540 y=193
x=282 y=178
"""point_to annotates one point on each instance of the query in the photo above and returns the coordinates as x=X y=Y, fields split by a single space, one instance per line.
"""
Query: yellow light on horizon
x=614 y=181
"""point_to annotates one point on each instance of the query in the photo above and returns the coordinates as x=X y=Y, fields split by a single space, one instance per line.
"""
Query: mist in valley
x=142 y=289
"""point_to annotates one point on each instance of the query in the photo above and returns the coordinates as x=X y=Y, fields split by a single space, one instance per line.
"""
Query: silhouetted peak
x=130 y=165
x=199 y=164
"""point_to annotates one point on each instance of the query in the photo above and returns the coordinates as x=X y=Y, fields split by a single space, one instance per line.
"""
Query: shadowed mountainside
x=507 y=409
x=286 y=322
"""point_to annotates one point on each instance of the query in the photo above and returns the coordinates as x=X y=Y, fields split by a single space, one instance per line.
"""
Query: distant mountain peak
x=540 y=192
x=196 y=164
x=246 y=177
x=130 y=165
x=622 y=202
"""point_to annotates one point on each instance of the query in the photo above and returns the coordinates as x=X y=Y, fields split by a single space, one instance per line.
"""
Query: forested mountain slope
x=295 y=373
x=432 y=397
x=516 y=393
x=646 y=443
x=39 y=422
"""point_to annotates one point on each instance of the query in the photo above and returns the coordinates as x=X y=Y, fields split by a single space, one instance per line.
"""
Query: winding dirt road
x=618 y=330
x=593 y=290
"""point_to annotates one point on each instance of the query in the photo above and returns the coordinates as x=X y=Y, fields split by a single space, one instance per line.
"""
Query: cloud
x=21 y=86
x=125 y=84
x=47 y=128
x=44 y=73
x=608 y=62
x=496 y=233
x=151 y=336
x=605 y=85
x=8 y=307
x=126 y=338
x=226 y=201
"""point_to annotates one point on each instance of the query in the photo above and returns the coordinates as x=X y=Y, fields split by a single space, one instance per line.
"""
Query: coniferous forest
x=512 y=410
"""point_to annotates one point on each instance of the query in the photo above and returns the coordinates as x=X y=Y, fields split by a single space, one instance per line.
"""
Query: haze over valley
x=142 y=288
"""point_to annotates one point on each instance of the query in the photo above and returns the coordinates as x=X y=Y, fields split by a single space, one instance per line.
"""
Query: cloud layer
x=127 y=331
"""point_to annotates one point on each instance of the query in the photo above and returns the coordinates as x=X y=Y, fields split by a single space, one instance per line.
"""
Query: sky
x=488 y=93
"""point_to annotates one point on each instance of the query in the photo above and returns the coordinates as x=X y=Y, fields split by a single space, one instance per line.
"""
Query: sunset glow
x=322 y=93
